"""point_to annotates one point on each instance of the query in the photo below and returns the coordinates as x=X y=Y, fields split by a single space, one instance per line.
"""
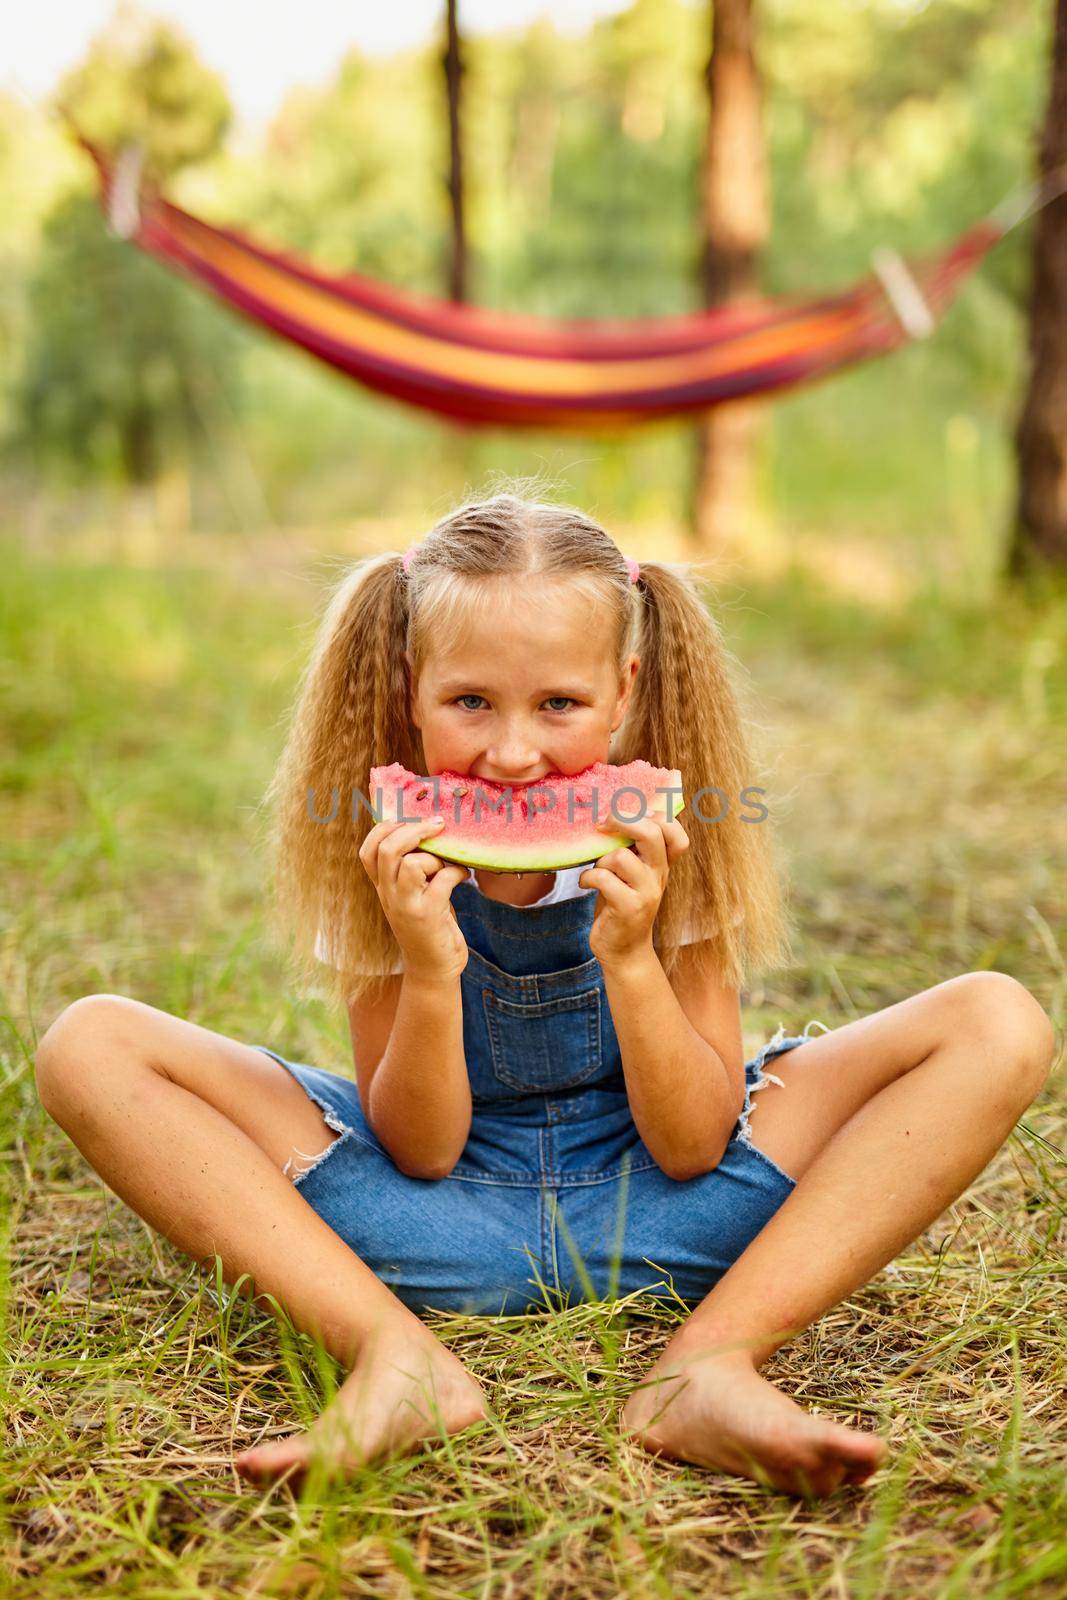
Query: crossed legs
x=883 y=1123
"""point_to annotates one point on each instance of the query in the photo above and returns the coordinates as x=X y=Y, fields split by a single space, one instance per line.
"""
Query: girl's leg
x=192 y=1130
x=883 y=1122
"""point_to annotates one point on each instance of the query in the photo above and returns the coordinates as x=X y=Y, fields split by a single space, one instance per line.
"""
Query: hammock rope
x=483 y=367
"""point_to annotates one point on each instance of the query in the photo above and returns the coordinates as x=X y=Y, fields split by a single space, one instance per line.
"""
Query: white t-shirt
x=565 y=887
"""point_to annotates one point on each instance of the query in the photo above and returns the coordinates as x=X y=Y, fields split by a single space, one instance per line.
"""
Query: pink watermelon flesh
x=552 y=822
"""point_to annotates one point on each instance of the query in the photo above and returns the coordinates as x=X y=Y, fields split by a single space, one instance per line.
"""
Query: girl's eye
x=555 y=699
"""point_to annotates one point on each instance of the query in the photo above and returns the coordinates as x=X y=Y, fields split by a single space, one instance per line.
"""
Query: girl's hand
x=631 y=884
x=415 y=889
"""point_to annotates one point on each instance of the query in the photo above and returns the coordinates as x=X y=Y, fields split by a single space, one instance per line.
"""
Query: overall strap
x=525 y=940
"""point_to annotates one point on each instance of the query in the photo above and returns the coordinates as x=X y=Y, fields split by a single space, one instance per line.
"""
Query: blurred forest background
x=129 y=401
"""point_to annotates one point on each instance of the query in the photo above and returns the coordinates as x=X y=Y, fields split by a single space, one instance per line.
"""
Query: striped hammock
x=484 y=367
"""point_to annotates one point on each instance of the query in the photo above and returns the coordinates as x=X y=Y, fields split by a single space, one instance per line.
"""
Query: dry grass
x=921 y=761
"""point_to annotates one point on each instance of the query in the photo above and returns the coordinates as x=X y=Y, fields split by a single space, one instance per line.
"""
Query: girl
x=550 y=1095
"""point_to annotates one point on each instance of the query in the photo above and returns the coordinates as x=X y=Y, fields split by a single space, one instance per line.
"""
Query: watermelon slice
x=531 y=827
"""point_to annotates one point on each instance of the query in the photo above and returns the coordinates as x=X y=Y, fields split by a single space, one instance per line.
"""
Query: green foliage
x=123 y=367
x=355 y=175
x=123 y=362
x=142 y=82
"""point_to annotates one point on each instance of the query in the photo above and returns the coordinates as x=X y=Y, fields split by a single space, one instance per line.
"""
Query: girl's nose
x=514 y=759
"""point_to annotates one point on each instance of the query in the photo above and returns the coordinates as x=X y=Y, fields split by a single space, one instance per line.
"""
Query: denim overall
x=555 y=1198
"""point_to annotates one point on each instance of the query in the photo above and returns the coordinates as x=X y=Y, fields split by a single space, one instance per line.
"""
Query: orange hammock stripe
x=495 y=368
x=602 y=338
x=525 y=375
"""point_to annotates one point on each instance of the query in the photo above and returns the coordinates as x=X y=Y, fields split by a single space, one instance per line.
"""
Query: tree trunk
x=453 y=66
x=1039 y=536
x=735 y=217
x=138 y=444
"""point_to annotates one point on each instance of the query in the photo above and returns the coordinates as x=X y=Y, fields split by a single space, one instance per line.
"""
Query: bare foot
x=385 y=1405
x=717 y=1411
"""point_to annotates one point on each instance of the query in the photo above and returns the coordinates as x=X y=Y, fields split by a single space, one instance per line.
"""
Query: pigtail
x=351 y=713
x=686 y=712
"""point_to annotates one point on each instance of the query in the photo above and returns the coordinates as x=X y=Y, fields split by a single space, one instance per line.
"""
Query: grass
x=919 y=756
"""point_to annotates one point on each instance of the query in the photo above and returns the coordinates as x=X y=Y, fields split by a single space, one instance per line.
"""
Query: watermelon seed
x=420 y=794
x=459 y=792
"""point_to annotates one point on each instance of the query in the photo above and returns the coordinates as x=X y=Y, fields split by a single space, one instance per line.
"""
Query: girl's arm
x=415 y=1093
x=417 y=1096
x=685 y=1096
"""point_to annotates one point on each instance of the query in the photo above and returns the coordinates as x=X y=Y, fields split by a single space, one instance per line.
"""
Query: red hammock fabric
x=501 y=369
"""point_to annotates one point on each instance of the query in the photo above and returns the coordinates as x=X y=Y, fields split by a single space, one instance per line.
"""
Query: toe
x=269 y=1460
x=860 y=1450
x=815 y=1478
x=860 y=1470
x=857 y=1454
x=651 y=1441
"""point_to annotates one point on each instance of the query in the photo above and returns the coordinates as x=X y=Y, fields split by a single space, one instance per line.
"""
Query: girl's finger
x=380 y=834
x=677 y=845
x=619 y=896
x=626 y=865
x=446 y=865
x=675 y=839
x=444 y=880
x=402 y=843
x=416 y=864
x=647 y=835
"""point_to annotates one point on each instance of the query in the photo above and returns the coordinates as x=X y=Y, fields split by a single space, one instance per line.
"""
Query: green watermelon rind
x=575 y=850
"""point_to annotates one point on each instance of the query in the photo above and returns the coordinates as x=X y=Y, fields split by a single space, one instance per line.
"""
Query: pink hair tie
x=407 y=559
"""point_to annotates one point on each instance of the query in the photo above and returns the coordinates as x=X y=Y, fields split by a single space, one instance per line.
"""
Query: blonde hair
x=352 y=713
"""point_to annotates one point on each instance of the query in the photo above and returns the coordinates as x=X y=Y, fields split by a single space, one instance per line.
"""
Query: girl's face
x=532 y=693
